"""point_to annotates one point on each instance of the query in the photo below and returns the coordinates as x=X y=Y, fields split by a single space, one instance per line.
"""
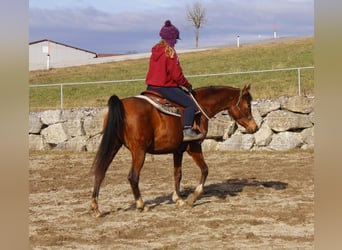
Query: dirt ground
x=251 y=200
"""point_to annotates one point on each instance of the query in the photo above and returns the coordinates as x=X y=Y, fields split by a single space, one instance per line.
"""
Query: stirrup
x=190 y=135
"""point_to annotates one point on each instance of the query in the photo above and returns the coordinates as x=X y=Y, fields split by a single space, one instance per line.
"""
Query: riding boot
x=190 y=135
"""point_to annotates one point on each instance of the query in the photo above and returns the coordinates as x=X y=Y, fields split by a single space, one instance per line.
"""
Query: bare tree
x=196 y=14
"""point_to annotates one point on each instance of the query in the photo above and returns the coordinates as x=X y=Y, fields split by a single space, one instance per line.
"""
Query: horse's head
x=241 y=111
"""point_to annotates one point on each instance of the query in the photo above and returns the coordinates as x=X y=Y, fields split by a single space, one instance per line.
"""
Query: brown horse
x=140 y=127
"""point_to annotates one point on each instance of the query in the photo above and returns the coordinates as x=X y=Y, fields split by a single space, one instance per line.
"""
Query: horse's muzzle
x=252 y=127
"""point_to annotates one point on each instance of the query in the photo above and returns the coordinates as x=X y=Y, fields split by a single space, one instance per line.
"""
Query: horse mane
x=214 y=90
x=217 y=88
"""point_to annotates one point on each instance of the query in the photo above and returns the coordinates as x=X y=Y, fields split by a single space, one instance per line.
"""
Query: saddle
x=159 y=101
x=166 y=106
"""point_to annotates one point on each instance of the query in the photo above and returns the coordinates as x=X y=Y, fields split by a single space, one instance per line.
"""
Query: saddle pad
x=165 y=108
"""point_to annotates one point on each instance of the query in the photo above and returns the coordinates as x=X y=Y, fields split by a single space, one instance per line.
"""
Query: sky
x=132 y=26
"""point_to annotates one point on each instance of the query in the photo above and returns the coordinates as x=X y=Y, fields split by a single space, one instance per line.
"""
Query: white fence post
x=299 y=83
x=61 y=95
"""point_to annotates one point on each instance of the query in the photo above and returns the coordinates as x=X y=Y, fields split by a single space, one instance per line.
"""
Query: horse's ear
x=246 y=88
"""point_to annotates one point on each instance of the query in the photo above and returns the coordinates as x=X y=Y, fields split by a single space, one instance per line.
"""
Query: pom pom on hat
x=169 y=31
x=167 y=23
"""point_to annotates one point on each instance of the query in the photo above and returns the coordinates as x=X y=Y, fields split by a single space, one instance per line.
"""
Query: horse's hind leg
x=177 y=162
x=138 y=158
x=100 y=173
x=195 y=150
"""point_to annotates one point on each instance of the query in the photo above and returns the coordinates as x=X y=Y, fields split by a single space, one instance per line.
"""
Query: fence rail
x=298 y=69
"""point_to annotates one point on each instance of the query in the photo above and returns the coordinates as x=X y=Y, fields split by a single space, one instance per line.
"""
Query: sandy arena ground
x=251 y=200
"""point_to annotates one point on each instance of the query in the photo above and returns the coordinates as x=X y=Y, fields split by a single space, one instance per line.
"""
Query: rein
x=199 y=106
x=202 y=111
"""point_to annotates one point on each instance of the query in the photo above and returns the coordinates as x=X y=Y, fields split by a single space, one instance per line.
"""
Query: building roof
x=48 y=40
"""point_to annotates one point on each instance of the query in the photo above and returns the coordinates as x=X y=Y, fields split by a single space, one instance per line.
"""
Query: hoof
x=96 y=213
x=191 y=200
x=95 y=208
x=180 y=202
x=143 y=209
x=177 y=199
x=140 y=205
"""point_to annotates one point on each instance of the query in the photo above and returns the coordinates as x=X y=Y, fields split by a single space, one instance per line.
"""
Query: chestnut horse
x=140 y=127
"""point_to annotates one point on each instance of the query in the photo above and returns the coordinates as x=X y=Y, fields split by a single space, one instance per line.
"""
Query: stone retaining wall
x=284 y=123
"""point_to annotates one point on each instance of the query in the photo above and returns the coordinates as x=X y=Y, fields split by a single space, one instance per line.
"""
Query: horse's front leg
x=195 y=150
x=138 y=158
x=177 y=163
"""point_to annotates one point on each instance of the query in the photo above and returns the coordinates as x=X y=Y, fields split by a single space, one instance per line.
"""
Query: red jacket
x=164 y=69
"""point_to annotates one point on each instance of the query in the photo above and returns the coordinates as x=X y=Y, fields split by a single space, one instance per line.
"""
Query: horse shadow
x=229 y=187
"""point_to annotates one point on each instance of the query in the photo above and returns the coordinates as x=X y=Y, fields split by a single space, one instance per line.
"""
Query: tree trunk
x=197 y=31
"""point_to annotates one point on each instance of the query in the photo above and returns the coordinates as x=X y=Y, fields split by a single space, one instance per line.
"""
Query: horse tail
x=112 y=138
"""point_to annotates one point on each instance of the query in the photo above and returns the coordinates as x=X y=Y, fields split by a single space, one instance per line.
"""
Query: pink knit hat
x=169 y=32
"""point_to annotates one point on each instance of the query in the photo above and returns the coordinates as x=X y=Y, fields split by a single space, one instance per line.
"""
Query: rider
x=165 y=76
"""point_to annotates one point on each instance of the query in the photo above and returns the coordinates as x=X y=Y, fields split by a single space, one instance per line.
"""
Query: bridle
x=237 y=105
x=206 y=116
x=239 y=100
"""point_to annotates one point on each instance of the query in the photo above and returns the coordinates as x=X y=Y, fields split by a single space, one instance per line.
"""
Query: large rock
x=50 y=117
x=308 y=137
x=72 y=114
x=230 y=130
x=237 y=142
x=35 y=124
x=267 y=106
x=77 y=143
x=247 y=141
x=218 y=128
x=283 y=120
x=263 y=136
x=54 y=134
x=93 y=125
x=298 y=104
x=256 y=115
x=73 y=128
x=285 y=141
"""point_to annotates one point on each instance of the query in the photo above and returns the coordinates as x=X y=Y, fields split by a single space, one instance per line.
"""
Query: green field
x=266 y=56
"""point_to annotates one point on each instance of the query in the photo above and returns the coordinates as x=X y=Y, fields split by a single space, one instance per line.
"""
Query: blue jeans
x=179 y=96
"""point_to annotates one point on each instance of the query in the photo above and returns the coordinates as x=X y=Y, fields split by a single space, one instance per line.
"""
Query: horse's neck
x=219 y=100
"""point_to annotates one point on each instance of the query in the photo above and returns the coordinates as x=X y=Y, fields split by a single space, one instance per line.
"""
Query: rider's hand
x=190 y=90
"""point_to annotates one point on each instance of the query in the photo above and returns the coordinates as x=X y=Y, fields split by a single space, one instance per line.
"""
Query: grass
x=273 y=55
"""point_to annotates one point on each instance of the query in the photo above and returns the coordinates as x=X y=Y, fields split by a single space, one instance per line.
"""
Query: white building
x=46 y=54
